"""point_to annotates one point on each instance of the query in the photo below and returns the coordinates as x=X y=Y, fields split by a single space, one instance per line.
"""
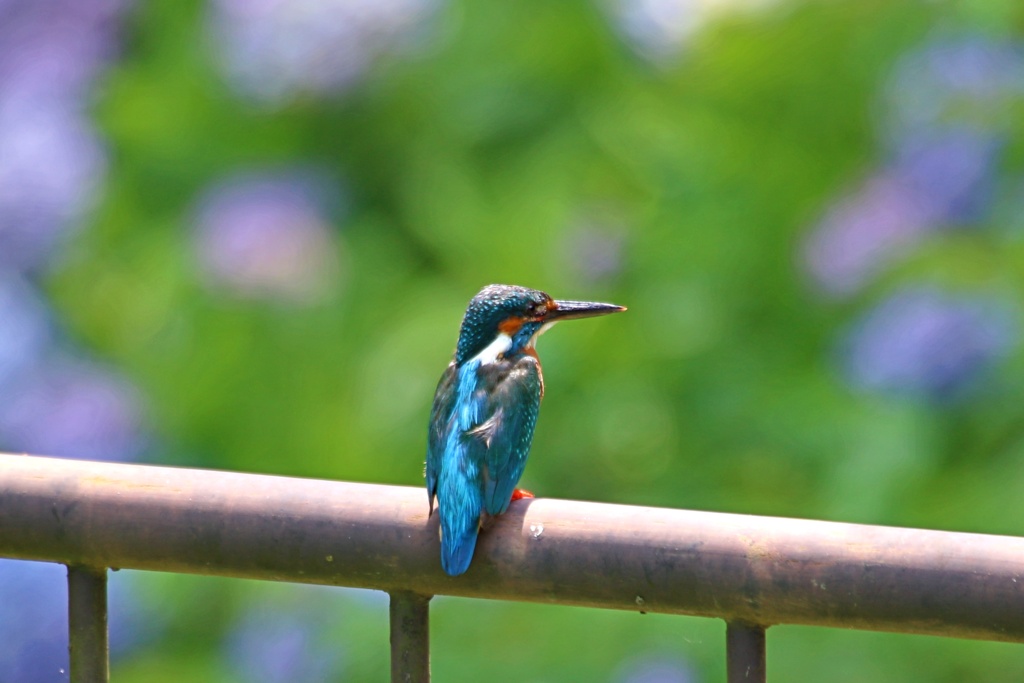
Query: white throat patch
x=498 y=347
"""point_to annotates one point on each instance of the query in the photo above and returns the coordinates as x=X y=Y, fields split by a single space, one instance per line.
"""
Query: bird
x=485 y=410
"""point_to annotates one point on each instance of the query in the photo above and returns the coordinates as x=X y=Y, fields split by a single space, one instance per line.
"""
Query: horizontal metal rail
x=751 y=571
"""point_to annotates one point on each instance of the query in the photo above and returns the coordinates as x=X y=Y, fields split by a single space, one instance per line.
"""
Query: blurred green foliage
x=519 y=134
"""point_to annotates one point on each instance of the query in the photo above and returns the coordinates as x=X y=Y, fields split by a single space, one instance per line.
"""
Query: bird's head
x=503 y=320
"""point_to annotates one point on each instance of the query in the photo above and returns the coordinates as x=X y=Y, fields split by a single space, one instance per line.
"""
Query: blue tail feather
x=459 y=488
x=456 y=554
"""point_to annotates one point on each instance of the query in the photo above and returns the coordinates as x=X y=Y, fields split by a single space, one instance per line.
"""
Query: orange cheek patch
x=511 y=325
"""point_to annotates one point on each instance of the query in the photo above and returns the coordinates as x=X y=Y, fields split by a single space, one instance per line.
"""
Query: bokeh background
x=240 y=234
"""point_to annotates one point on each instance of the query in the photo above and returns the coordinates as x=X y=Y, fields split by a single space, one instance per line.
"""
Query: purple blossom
x=268 y=236
x=73 y=410
x=33 y=622
x=54 y=49
x=951 y=172
x=284 y=638
x=276 y=50
x=945 y=118
x=935 y=180
x=50 y=168
x=922 y=342
x=876 y=224
x=25 y=333
x=51 y=160
x=955 y=78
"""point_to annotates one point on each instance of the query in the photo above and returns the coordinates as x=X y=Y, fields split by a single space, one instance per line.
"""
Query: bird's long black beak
x=567 y=310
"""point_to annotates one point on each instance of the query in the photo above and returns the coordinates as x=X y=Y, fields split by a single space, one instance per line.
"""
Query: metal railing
x=753 y=572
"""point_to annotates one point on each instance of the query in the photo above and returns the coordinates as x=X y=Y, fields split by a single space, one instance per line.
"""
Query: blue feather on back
x=459 y=480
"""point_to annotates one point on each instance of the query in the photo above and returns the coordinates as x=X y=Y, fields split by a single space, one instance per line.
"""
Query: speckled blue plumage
x=482 y=422
x=485 y=409
x=487 y=310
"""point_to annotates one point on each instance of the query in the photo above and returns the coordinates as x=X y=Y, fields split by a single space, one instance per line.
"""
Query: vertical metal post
x=745 y=653
x=410 y=637
x=87 y=625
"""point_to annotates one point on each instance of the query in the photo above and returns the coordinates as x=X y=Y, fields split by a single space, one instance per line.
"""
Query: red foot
x=521 y=493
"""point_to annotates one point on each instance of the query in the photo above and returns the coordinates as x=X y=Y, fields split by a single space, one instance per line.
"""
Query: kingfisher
x=485 y=409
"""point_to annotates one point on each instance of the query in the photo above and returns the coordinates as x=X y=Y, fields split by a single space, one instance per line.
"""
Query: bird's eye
x=539 y=310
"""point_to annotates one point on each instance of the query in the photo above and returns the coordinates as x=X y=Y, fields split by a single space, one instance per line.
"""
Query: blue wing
x=440 y=416
x=507 y=432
